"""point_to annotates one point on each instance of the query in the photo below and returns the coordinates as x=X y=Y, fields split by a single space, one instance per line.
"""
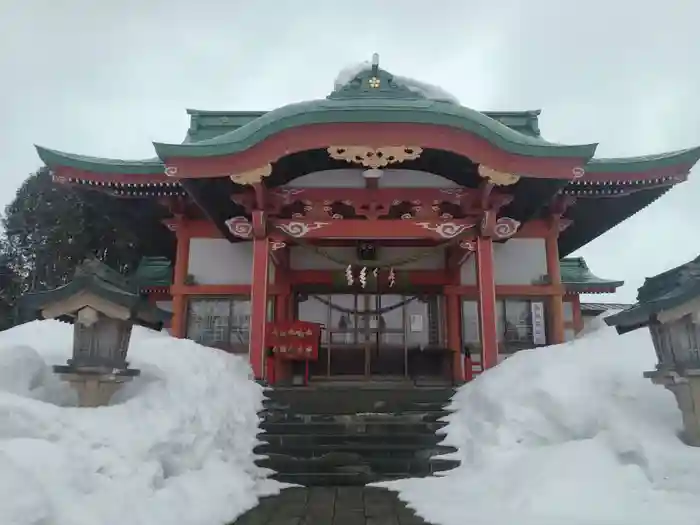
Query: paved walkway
x=331 y=506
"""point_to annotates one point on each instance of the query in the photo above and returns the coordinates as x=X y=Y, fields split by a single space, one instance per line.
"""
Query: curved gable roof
x=373 y=97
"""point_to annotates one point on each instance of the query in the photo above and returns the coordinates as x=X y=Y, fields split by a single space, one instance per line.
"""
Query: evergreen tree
x=50 y=228
x=9 y=289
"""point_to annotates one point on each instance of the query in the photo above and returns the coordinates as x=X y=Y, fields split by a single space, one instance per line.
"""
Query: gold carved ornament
x=374 y=158
x=253 y=176
x=497 y=178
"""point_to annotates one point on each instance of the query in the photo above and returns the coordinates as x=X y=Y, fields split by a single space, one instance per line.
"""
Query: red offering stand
x=294 y=341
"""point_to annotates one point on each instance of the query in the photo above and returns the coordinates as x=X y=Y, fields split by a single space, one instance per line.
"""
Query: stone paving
x=331 y=506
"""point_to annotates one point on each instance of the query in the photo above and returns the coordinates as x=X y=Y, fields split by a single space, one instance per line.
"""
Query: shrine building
x=412 y=228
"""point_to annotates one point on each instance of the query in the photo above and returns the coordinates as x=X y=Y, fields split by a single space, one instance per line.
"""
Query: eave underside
x=592 y=217
x=597 y=209
x=531 y=196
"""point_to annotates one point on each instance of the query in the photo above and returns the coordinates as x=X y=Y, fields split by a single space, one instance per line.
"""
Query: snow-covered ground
x=173 y=448
x=567 y=435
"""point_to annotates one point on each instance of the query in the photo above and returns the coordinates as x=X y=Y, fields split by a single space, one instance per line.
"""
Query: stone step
x=359 y=450
x=356 y=400
x=333 y=428
x=338 y=462
x=281 y=416
x=354 y=407
x=330 y=479
x=282 y=441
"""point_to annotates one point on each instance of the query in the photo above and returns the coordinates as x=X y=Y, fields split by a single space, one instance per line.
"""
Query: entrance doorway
x=373 y=335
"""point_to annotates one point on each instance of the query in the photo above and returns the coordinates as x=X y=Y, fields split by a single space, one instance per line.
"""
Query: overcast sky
x=108 y=77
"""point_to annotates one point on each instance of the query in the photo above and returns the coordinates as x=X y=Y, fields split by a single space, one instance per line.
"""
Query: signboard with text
x=539 y=331
x=294 y=340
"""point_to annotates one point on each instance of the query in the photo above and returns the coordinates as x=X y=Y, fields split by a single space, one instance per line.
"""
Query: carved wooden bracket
x=252 y=176
x=561 y=203
x=497 y=178
x=374 y=158
x=240 y=227
x=460 y=253
x=498 y=228
x=505 y=228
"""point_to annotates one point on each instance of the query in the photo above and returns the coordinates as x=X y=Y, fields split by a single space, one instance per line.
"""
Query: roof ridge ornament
x=373 y=82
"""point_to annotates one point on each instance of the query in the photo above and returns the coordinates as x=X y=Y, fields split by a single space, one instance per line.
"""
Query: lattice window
x=220 y=322
x=514 y=325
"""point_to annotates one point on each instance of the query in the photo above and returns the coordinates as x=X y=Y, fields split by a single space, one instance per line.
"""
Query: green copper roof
x=206 y=125
x=95 y=277
x=372 y=96
x=54 y=158
x=153 y=271
x=576 y=276
x=661 y=292
x=358 y=101
x=635 y=164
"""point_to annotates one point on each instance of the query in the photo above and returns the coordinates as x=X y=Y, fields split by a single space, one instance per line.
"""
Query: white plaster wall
x=414 y=179
x=352 y=178
x=305 y=259
x=349 y=178
x=217 y=261
x=517 y=261
x=467 y=272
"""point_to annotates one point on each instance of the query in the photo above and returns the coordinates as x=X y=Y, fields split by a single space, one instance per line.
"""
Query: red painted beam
x=380 y=229
x=468 y=199
x=328 y=277
x=201 y=228
x=320 y=136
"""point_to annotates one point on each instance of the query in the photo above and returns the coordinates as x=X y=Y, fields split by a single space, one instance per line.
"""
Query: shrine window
x=520 y=324
x=222 y=322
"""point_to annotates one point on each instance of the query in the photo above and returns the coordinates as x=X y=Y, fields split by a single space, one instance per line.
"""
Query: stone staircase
x=353 y=435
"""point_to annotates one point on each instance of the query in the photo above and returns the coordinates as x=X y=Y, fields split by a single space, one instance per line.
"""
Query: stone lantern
x=669 y=306
x=103 y=307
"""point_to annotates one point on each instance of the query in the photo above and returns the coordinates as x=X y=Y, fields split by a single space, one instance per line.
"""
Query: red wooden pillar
x=486 y=285
x=454 y=335
x=454 y=321
x=282 y=368
x=258 y=294
x=556 y=302
x=178 y=325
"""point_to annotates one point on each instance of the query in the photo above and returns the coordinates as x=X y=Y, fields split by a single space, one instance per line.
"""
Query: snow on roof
x=429 y=91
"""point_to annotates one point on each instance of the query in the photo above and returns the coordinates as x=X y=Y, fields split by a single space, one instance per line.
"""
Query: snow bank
x=174 y=447
x=565 y=434
x=429 y=91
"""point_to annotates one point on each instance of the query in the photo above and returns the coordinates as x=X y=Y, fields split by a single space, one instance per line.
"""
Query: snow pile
x=569 y=434
x=429 y=91
x=597 y=323
x=175 y=446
